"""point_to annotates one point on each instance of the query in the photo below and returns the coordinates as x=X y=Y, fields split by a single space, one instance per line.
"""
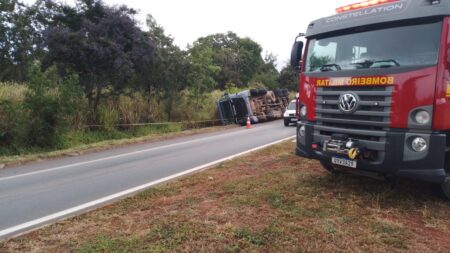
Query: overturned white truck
x=258 y=104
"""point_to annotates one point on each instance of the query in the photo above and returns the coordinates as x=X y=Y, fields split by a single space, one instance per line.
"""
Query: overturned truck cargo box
x=258 y=104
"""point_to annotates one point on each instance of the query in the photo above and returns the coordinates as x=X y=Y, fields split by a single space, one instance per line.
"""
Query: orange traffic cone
x=249 y=123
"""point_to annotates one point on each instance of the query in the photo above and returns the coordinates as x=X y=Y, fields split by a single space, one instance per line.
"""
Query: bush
x=10 y=123
x=51 y=105
x=51 y=113
x=190 y=108
x=108 y=116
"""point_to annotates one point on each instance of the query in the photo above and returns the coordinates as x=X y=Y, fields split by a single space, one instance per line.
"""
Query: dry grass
x=12 y=91
x=269 y=201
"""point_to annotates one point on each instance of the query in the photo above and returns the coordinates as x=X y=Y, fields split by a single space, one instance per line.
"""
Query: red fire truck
x=375 y=90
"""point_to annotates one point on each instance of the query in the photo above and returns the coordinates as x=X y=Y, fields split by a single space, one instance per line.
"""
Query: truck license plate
x=344 y=162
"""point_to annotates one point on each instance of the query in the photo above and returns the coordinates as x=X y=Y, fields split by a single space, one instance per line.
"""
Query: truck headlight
x=419 y=144
x=302 y=131
x=303 y=111
x=422 y=117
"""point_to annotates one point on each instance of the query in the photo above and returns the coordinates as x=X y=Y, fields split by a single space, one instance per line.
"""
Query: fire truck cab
x=375 y=90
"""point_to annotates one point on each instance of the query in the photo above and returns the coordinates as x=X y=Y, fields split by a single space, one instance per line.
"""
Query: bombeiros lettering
x=356 y=81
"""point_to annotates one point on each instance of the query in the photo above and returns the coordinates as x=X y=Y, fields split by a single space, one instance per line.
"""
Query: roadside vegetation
x=269 y=201
x=94 y=141
x=77 y=74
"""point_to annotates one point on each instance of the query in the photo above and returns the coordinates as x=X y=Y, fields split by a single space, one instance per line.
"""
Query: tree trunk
x=97 y=98
x=149 y=101
x=197 y=99
x=90 y=97
x=169 y=108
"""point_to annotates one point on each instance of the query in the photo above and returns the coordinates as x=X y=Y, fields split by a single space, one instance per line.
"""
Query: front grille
x=368 y=123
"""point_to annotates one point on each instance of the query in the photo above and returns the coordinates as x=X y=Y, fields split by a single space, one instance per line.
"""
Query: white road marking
x=112 y=157
x=68 y=212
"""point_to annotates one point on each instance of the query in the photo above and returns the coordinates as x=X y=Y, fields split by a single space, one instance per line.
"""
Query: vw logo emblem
x=348 y=103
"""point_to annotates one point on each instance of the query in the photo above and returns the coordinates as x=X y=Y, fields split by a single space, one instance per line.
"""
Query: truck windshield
x=415 y=45
x=292 y=105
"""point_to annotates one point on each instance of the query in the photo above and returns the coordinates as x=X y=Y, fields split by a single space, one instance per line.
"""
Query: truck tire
x=254 y=93
x=262 y=92
x=445 y=187
x=286 y=123
x=282 y=93
x=278 y=92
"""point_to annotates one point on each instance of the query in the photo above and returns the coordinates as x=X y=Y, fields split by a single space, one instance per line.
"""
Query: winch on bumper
x=342 y=145
x=394 y=158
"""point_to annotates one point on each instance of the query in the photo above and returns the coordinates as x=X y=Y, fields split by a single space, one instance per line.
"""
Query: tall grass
x=25 y=114
x=50 y=113
x=12 y=92
x=132 y=109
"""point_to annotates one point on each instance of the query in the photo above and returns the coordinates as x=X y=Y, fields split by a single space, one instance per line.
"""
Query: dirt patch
x=267 y=201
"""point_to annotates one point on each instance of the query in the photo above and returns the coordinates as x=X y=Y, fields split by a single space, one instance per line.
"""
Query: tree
x=20 y=38
x=250 y=60
x=268 y=74
x=202 y=72
x=102 y=44
x=289 y=78
x=239 y=59
x=170 y=67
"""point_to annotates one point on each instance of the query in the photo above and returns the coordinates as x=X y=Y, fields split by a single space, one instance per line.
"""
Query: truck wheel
x=286 y=123
x=445 y=187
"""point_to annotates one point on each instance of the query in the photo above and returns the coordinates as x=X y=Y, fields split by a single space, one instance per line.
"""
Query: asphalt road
x=41 y=193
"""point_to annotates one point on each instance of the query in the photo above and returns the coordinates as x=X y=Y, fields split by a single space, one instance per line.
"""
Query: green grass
x=249 y=236
x=76 y=139
x=106 y=244
x=390 y=233
x=75 y=142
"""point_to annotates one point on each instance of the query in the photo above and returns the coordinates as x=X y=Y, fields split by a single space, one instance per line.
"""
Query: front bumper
x=395 y=158
x=291 y=119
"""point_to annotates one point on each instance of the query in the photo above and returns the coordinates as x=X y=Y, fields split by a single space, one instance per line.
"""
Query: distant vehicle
x=258 y=104
x=289 y=115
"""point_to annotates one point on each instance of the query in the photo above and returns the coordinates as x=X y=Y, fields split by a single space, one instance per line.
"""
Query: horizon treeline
x=64 y=67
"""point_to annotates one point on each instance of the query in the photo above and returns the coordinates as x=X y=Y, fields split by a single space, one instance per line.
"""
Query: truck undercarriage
x=258 y=104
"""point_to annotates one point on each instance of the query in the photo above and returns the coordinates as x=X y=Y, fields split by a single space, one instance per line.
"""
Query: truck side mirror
x=296 y=55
